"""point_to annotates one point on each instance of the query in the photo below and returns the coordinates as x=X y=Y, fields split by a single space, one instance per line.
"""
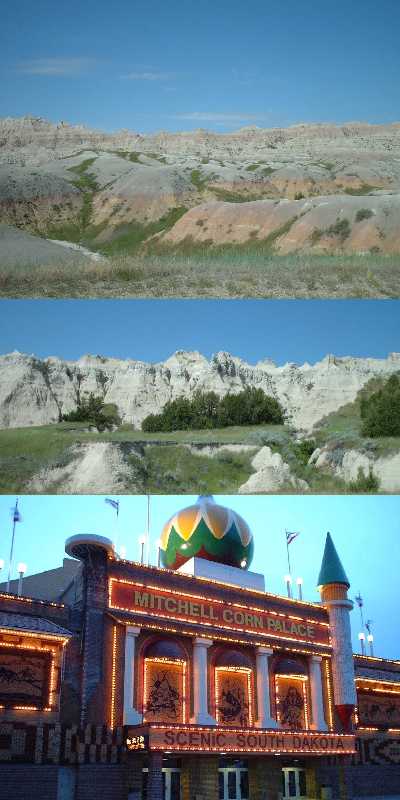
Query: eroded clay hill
x=37 y=391
x=322 y=188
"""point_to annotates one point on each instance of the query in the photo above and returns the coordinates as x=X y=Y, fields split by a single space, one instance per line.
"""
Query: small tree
x=95 y=412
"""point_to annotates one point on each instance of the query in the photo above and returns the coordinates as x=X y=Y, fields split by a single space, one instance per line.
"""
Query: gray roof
x=32 y=624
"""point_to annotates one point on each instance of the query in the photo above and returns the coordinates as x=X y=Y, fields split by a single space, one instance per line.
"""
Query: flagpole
x=15 y=514
x=148 y=530
x=288 y=556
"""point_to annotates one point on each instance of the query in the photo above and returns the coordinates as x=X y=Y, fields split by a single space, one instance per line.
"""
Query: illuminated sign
x=140 y=742
x=226 y=740
x=159 y=602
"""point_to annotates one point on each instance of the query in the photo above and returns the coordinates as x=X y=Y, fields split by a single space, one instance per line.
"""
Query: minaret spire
x=333 y=585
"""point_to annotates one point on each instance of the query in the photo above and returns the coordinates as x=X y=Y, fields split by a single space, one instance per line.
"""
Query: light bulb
x=21 y=567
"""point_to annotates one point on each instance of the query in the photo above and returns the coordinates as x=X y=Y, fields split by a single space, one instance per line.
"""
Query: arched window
x=291 y=693
x=233 y=688
x=164 y=685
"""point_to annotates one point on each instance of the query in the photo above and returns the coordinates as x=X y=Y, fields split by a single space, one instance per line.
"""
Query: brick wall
x=265 y=779
x=26 y=781
x=199 y=778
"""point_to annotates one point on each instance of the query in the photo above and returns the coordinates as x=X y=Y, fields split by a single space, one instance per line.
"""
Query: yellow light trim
x=252 y=632
x=328 y=684
x=395 y=684
x=184 y=577
x=376 y=658
x=245 y=732
x=303 y=679
x=162 y=660
x=207 y=599
x=113 y=676
x=244 y=670
x=33 y=635
x=13 y=597
x=52 y=679
x=217 y=636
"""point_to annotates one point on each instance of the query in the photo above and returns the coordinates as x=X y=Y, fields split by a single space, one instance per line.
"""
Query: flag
x=290 y=536
x=113 y=503
x=359 y=600
x=16 y=515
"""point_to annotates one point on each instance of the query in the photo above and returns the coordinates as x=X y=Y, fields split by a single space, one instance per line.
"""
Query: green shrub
x=341 y=228
x=304 y=450
x=364 y=213
x=364 y=483
x=380 y=412
x=207 y=410
x=95 y=412
x=299 y=196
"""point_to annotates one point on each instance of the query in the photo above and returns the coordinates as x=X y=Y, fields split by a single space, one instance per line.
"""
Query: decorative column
x=263 y=695
x=155 y=779
x=317 y=698
x=200 y=683
x=131 y=715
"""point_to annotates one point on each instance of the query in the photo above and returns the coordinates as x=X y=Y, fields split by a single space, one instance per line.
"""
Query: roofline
x=184 y=576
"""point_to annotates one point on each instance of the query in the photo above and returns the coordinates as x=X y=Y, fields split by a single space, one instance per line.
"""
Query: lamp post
x=21 y=573
x=122 y=552
x=299 y=582
x=361 y=637
x=158 y=543
x=142 y=542
x=288 y=581
x=370 y=640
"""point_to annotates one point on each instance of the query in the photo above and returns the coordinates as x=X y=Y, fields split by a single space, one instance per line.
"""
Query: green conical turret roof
x=331 y=568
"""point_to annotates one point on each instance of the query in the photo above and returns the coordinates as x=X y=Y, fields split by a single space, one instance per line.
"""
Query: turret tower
x=333 y=585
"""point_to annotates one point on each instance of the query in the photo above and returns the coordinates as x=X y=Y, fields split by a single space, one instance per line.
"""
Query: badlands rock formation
x=234 y=187
x=36 y=392
x=346 y=464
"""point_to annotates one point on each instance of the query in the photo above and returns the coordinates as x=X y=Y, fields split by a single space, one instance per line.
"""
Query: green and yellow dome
x=206 y=530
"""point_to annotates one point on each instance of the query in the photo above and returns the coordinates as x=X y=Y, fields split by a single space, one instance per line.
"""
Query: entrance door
x=293 y=783
x=233 y=783
x=171 y=783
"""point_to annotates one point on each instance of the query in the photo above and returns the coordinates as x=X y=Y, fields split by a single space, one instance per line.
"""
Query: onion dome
x=206 y=530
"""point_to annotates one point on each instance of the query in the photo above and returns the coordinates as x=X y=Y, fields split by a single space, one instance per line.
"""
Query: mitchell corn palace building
x=189 y=682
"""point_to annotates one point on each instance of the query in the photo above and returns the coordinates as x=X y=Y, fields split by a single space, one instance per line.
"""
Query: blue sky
x=293 y=330
x=365 y=530
x=147 y=64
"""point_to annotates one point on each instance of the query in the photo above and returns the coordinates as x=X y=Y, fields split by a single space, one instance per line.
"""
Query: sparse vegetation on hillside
x=250 y=407
x=380 y=412
x=364 y=483
x=364 y=213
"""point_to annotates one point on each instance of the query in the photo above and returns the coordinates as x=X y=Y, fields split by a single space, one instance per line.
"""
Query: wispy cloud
x=210 y=116
x=148 y=76
x=56 y=66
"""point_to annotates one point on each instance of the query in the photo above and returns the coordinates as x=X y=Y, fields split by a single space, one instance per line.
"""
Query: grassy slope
x=343 y=428
x=241 y=272
x=25 y=451
x=168 y=466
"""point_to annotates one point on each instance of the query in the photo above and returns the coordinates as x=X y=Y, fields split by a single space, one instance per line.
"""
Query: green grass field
x=209 y=272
